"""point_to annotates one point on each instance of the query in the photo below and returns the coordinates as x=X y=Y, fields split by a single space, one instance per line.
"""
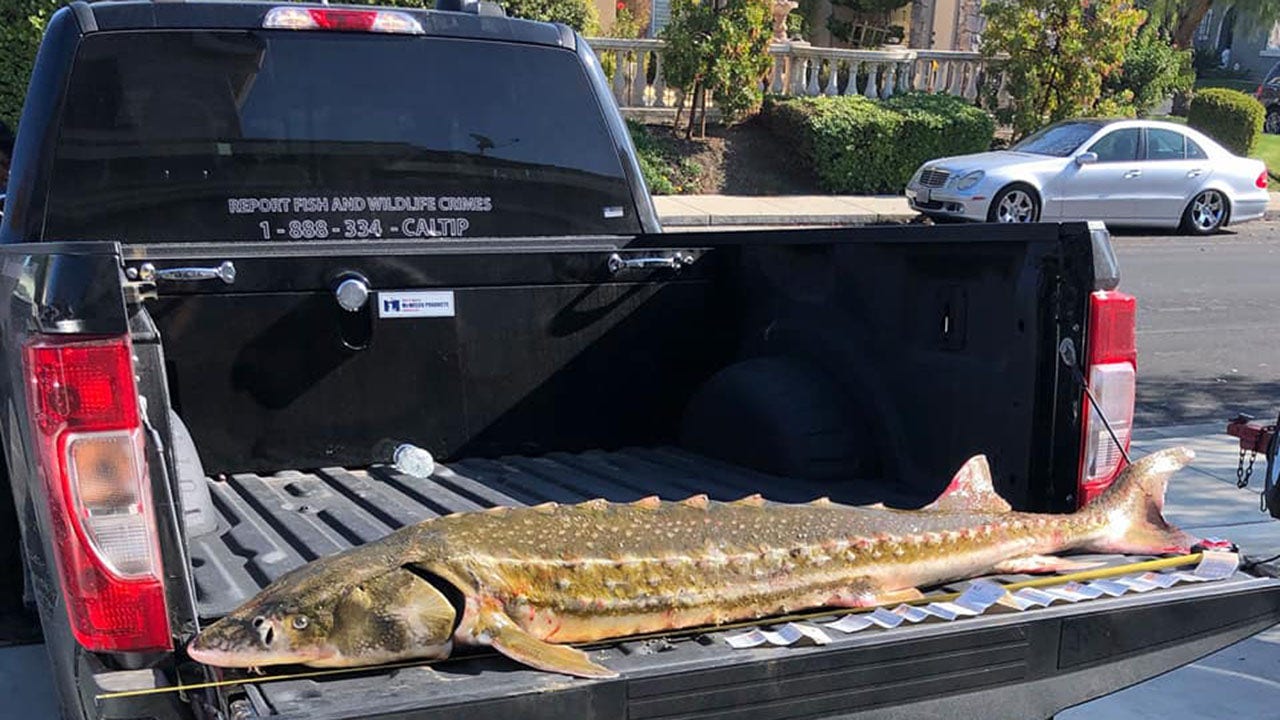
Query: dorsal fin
x=971 y=490
x=696 y=501
x=754 y=500
x=594 y=504
x=546 y=506
x=651 y=502
x=823 y=501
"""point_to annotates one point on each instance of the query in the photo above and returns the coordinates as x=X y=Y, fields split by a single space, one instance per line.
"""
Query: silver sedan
x=1125 y=172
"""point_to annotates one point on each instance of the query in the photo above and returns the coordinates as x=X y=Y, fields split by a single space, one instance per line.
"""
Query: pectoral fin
x=861 y=596
x=509 y=639
x=1032 y=564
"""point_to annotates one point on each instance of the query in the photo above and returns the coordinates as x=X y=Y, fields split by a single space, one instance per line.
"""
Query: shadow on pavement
x=1176 y=401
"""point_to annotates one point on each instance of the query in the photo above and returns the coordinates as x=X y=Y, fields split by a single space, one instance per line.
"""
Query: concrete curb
x=702 y=212
x=709 y=220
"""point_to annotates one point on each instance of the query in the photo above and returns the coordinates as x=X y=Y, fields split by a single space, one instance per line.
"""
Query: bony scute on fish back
x=529 y=580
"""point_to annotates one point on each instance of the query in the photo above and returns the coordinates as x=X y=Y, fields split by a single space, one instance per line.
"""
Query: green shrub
x=1153 y=70
x=665 y=172
x=21 y=25
x=577 y=14
x=1228 y=116
x=718 y=49
x=856 y=145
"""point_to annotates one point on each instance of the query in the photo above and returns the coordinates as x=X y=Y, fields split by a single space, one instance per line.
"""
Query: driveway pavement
x=1243 y=680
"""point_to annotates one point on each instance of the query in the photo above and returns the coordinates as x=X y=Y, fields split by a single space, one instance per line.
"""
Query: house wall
x=607 y=10
x=945 y=24
x=1254 y=45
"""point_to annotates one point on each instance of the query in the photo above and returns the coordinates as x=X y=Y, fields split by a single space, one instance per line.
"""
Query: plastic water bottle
x=413 y=460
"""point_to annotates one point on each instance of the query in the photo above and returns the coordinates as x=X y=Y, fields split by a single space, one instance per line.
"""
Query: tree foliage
x=577 y=14
x=718 y=48
x=1180 y=18
x=1153 y=70
x=871 y=6
x=21 y=25
x=1059 y=53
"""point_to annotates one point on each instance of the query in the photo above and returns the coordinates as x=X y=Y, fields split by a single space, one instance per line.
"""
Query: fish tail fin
x=1133 y=508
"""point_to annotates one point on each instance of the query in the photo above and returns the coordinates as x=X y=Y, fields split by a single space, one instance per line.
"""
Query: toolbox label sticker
x=416 y=304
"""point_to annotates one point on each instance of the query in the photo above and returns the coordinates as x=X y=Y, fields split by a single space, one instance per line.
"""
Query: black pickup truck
x=248 y=245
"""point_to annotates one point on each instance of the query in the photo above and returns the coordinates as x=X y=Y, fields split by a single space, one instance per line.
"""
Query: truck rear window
x=285 y=136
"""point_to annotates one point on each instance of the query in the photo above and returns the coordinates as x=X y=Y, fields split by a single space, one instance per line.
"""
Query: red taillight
x=84 y=412
x=1262 y=179
x=1111 y=369
x=302 y=18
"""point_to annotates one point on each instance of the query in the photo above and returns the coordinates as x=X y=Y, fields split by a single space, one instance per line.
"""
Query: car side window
x=1165 y=144
x=1117 y=146
x=1195 y=152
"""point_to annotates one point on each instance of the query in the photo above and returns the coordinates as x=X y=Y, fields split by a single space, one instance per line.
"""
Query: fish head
x=259 y=634
x=397 y=615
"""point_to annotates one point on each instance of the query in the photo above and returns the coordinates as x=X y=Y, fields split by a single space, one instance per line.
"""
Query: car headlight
x=968 y=180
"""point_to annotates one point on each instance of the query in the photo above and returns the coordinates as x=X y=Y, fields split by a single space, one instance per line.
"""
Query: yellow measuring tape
x=1096 y=574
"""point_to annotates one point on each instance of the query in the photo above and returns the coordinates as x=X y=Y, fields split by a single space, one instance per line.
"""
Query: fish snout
x=236 y=642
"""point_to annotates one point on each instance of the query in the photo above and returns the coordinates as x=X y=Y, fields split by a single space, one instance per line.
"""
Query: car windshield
x=1058 y=140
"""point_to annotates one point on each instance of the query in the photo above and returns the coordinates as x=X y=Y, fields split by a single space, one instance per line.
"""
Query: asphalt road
x=1208 y=323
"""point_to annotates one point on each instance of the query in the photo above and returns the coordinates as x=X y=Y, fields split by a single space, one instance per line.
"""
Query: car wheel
x=1206 y=213
x=1272 y=123
x=1017 y=203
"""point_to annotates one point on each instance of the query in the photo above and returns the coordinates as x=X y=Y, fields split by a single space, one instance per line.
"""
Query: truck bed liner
x=1029 y=664
x=268 y=525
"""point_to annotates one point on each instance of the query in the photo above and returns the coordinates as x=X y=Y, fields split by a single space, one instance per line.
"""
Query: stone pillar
x=970 y=25
x=920 y=34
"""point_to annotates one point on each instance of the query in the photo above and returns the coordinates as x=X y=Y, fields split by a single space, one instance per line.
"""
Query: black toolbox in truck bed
x=1016 y=665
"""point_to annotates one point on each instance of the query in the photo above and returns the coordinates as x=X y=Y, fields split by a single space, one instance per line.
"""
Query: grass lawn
x=1268 y=151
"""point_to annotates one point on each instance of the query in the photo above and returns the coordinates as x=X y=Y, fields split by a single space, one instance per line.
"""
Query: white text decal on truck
x=425 y=303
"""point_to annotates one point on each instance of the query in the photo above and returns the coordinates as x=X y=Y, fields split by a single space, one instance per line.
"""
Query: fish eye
x=257 y=621
x=300 y=622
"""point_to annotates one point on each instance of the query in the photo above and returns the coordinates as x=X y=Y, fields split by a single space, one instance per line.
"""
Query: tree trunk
x=693 y=109
x=1184 y=34
x=704 y=115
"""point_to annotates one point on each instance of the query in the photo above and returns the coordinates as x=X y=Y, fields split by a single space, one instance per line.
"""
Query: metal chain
x=1244 y=473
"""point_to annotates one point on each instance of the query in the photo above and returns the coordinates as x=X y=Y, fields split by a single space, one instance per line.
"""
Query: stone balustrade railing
x=800 y=69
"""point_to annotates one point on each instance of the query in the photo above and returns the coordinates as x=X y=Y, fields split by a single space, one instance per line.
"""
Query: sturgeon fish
x=527 y=580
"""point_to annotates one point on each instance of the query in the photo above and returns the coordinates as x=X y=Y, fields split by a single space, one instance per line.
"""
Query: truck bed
x=268 y=525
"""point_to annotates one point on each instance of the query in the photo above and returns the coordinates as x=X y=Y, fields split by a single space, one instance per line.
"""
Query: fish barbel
x=526 y=580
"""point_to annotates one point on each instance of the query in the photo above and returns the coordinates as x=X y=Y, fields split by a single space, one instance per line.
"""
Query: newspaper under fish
x=527 y=580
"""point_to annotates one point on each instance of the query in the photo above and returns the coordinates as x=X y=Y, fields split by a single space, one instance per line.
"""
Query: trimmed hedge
x=1228 y=116
x=21 y=25
x=857 y=145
